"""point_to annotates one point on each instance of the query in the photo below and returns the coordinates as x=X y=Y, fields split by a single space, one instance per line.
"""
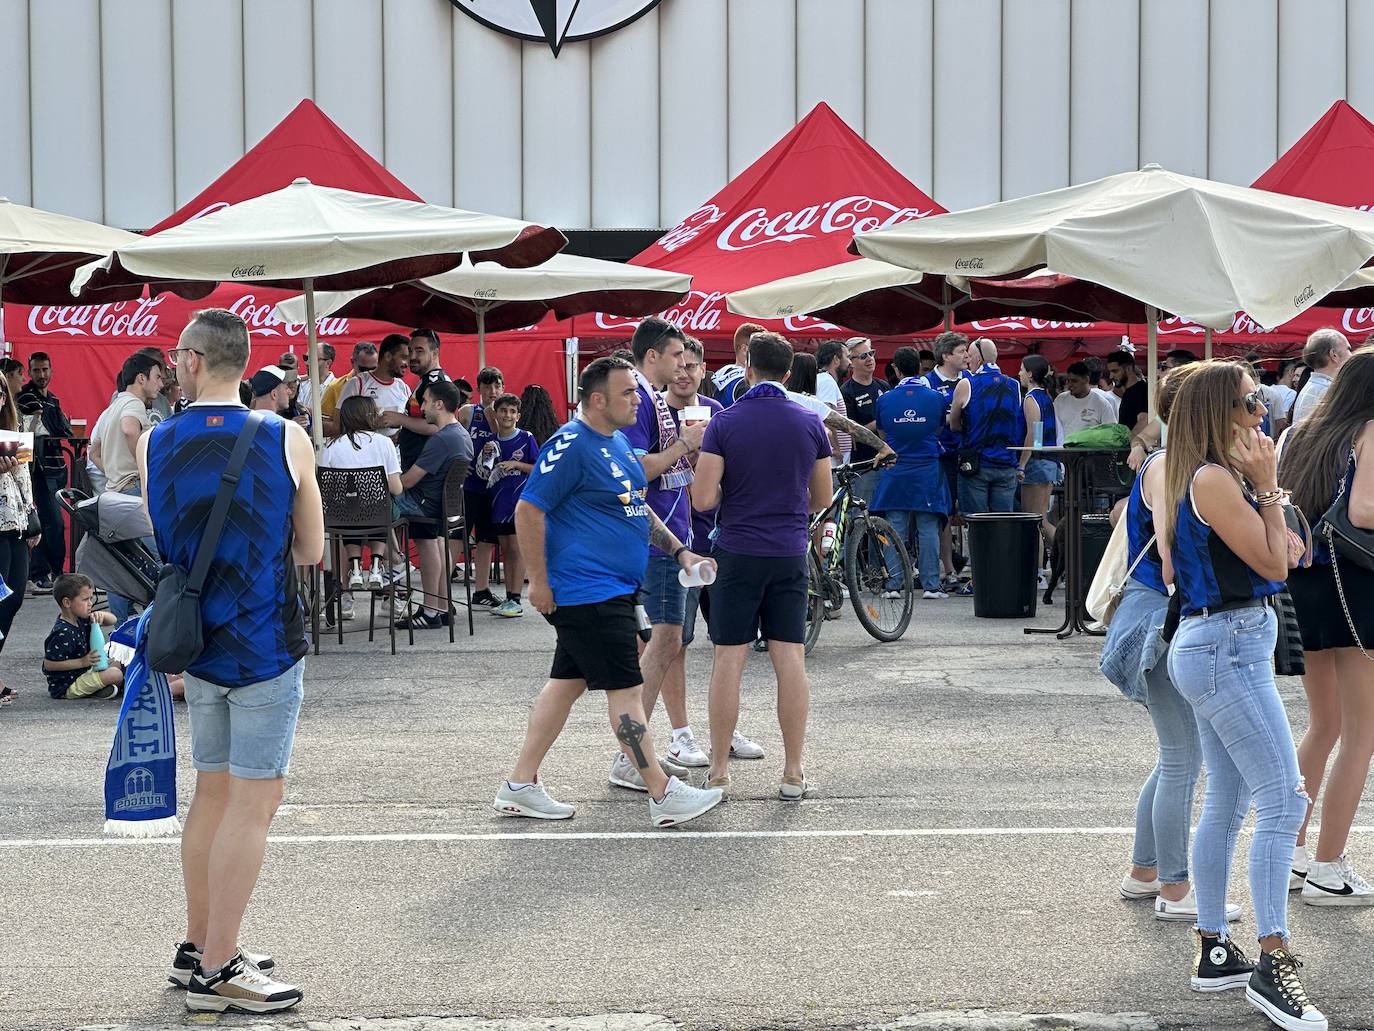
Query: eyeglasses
x=862 y=357
x=1252 y=401
x=172 y=354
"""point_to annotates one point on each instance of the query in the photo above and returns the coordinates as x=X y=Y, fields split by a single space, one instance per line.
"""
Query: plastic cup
x=702 y=574
x=696 y=413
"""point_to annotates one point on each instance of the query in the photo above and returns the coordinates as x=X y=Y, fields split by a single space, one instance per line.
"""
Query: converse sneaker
x=1133 y=890
x=1297 y=873
x=239 y=986
x=687 y=753
x=188 y=958
x=1219 y=966
x=376 y=577
x=1336 y=884
x=624 y=775
x=355 y=576
x=1186 y=909
x=682 y=802
x=530 y=800
x=742 y=748
x=1276 y=991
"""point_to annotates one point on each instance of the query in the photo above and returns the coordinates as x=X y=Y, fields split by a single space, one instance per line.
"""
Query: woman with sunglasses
x=1225 y=546
x=1325 y=454
x=16 y=502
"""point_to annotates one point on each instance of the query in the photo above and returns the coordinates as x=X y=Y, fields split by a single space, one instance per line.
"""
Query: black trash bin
x=1004 y=547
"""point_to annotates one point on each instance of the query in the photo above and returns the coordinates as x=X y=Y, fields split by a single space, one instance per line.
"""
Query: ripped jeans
x=1223 y=665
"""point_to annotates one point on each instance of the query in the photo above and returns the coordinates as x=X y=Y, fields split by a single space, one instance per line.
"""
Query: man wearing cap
x=269 y=390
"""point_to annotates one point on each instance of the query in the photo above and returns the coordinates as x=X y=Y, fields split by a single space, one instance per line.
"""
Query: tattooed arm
x=861 y=434
x=666 y=541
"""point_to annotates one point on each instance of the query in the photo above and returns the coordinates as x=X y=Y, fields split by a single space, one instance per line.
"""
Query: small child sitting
x=68 y=658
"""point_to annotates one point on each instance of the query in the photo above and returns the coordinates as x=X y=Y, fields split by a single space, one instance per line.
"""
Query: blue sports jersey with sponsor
x=993 y=419
x=910 y=416
x=483 y=450
x=592 y=491
x=1140 y=528
x=1049 y=435
x=505 y=487
x=948 y=438
x=729 y=381
x=1206 y=570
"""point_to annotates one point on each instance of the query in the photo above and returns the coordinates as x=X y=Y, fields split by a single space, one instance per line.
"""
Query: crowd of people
x=1214 y=539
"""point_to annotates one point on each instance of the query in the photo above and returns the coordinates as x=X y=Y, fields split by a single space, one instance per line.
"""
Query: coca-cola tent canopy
x=88 y=343
x=793 y=210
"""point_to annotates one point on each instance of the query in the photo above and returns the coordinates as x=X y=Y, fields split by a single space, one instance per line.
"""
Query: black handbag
x=1346 y=539
x=33 y=526
x=176 y=636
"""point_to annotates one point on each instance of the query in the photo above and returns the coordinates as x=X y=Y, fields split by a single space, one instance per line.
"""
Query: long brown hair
x=1315 y=453
x=9 y=410
x=358 y=414
x=1199 y=429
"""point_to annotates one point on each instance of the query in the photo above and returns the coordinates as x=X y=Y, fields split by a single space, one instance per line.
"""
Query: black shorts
x=1320 y=616
x=597 y=643
x=499 y=530
x=758 y=593
x=477 y=509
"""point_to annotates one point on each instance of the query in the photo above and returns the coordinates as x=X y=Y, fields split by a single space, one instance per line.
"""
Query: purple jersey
x=505 y=488
x=702 y=522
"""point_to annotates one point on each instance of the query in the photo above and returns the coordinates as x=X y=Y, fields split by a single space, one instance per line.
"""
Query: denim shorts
x=1042 y=470
x=246 y=730
x=664 y=597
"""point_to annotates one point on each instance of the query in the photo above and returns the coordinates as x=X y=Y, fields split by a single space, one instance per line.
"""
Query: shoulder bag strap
x=1148 y=545
x=214 y=526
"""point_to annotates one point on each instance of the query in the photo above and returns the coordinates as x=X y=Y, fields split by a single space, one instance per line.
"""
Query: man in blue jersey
x=986 y=409
x=913 y=492
x=585 y=524
x=244 y=691
x=951 y=365
x=665 y=450
x=729 y=380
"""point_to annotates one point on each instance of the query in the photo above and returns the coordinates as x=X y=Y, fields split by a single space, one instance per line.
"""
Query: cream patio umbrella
x=309 y=237
x=39 y=249
x=880 y=299
x=482 y=297
x=1197 y=248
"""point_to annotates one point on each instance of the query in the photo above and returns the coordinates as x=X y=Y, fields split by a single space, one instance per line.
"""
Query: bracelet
x=680 y=549
x=1269 y=498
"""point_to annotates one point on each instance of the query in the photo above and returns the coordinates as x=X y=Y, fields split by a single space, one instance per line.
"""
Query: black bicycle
x=864 y=555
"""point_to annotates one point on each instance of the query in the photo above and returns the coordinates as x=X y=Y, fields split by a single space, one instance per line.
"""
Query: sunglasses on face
x=1252 y=401
x=861 y=357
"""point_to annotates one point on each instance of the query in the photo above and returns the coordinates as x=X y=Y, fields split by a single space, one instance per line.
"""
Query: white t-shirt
x=1076 y=413
x=811 y=404
x=361 y=451
x=390 y=397
x=828 y=390
x=1111 y=399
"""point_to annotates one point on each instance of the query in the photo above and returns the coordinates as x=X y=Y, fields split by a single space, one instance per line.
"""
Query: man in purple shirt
x=665 y=452
x=766 y=463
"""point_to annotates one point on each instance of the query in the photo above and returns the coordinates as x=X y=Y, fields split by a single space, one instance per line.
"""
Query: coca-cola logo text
x=962 y=264
x=1023 y=322
x=1304 y=296
x=759 y=227
x=120 y=318
x=249 y=272
x=701 y=312
x=262 y=320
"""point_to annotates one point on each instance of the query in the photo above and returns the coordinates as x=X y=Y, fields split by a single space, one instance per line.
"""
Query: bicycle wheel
x=815 y=601
x=867 y=545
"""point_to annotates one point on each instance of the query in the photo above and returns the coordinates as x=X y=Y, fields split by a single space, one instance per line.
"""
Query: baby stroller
x=112 y=551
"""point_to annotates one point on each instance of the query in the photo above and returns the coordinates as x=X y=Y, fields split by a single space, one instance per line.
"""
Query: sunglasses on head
x=1252 y=402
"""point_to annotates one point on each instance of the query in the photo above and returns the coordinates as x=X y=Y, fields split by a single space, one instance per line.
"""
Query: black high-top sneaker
x=1219 y=965
x=1276 y=991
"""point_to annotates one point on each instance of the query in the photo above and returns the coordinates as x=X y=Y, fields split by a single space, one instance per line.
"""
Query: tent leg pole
x=312 y=350
x=481 y=338
x=1207 y=343
x=1152 y=354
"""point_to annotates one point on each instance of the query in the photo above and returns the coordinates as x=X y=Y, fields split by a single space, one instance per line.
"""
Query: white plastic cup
x=696 y=413
x=703 y=574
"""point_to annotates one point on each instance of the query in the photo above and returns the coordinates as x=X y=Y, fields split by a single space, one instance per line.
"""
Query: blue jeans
x=246 y=730
x=662 y=594
x=927 y=546
x=1164 y=811
x=991 y=489
x=1222 y=664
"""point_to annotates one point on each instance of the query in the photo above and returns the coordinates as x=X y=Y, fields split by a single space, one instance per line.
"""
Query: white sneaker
x=355 y=578
x=1133 y=890
x=892 y=595
x=1336 y=884
x=624 y=775
x=1186 y=909
x=682 y=802
x=397 y=575
x=685 y=752
x=1297 y=872
x=742 y=748
x=345 y=606
x=934 y=596
x=532 y=801
x=376 y=578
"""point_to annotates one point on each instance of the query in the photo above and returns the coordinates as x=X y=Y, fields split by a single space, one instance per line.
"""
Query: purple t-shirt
x=702 y=522
x=672 y=504
x=770 y=447
x=505 y=488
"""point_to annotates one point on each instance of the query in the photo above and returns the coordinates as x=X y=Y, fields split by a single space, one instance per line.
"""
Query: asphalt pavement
x=957 y=867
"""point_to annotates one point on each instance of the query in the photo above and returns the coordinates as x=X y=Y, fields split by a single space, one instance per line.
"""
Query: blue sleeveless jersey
x=251 y=611
x=482 y=435
x=1206 y=571
x=1140 y=528
x=1049 y=436
x=993 y=418
x=948 y=438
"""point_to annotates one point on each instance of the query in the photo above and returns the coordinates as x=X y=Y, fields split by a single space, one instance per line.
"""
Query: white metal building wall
x=120 y=110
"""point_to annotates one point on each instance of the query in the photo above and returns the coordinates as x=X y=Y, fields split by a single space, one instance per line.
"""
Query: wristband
x=678 y=552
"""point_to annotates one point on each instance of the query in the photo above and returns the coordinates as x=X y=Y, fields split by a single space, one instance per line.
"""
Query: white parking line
x=659 y=835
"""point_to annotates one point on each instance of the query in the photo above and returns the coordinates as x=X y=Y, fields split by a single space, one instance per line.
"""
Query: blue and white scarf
x=141 y=775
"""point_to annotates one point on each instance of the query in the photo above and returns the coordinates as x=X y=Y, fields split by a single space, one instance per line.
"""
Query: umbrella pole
x=949 y=309
x=481 y=337
x=1152 y=354
x=316 y=422
x=1207 y=342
